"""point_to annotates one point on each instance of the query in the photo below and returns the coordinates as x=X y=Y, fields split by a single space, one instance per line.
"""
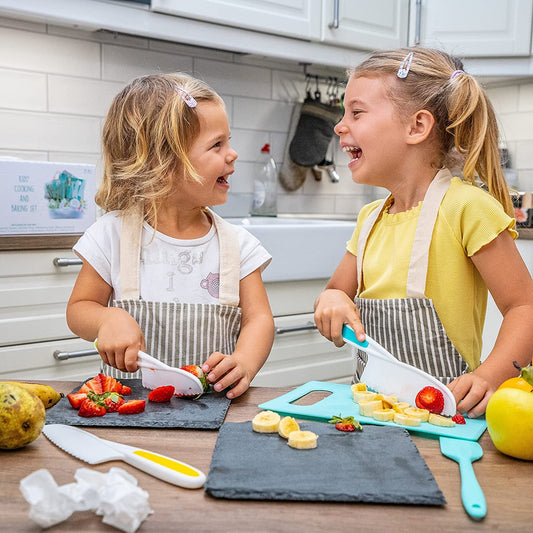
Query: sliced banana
x=287 y=426
x=363 y=396
x=389 y=401
x=266 y=422
x=439 y=420
x=367 y=408
x=423 y=414
x=358 y=387
x=384 y=415
x=406 y=420
x=302 y=440
x=400 y=407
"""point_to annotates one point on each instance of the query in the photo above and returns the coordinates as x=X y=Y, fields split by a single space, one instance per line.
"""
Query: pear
x=22 y=416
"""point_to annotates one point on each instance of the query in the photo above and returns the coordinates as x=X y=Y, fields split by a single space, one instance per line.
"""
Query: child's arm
x=335 y=307
x=511 y=286
x=237 y=370
x=88 y=316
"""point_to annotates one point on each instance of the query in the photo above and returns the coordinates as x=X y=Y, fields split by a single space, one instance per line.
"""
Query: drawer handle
x=334 y=24
x=63 y=356
x=304 y=327
x=67 y=261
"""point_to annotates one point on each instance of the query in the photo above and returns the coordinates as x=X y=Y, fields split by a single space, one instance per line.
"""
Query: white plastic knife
x=385 y=374
x=94 y=450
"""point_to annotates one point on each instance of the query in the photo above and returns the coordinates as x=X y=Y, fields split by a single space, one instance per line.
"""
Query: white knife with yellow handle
x=94 y=450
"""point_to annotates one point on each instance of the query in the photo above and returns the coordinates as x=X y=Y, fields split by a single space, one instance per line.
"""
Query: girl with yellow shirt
x=417 y=268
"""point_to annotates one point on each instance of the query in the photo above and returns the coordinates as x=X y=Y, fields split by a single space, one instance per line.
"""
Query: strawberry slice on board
x=76 y=399
x=112 y=401
x=431 y=399
x=132 y=407
x=161 y=394
x=92 y=407
x=346 y=424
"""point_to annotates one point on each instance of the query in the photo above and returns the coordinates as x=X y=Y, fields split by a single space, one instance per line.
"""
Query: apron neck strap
x=130 y=254
x=418 y=265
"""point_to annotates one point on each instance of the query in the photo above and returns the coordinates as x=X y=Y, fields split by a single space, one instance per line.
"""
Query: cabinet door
x=300 y=354
x=295 y=18
x=470 y=28
x=380 y=24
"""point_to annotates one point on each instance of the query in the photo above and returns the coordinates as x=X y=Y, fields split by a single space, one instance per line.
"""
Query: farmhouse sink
x=301 y=248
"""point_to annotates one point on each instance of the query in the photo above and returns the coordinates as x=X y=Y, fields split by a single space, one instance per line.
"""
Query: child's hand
x=472 y=393
x=333 y=309
x=119 y=340
x=227 y=371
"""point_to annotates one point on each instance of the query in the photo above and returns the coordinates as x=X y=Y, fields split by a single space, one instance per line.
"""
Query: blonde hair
x=465 y=122
x=147 y=135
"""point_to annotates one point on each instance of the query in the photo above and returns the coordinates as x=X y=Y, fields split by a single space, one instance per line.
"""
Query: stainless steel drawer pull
x=67 y=261
x=305 y=327
x=63 y=356
x=334 y=24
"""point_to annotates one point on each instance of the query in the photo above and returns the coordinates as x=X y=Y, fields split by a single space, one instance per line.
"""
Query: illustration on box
x=65 y=196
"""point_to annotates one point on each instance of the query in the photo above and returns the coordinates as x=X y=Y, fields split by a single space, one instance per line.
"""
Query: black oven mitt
x=313 y=132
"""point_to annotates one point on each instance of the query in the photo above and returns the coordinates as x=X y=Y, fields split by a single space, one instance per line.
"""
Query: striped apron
x=409 y=327
x=181 y=333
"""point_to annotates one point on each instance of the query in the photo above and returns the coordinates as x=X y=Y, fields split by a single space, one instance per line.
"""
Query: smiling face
x=372 y=132
x=212 y=157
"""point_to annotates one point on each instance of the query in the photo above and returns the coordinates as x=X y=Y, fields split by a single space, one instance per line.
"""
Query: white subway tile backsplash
x=517 y=126
x=523 y=155
x=41 y=131
x=525 y=102
x=120 y=63
x=504 y=99
x=525 y=180
x=238 y=80
x=24 y=50
x=248 y=143
x=252 y=113
x=242 y=180
x=78 y=96
x=22 y=90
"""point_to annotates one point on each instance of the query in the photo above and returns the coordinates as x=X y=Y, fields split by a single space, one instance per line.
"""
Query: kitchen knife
x=385 y=374
x=94 y=450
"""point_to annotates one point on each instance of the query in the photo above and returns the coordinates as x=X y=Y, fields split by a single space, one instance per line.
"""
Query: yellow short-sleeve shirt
x=468 y=219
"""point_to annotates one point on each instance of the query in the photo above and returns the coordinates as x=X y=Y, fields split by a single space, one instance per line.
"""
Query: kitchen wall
x=56 y=85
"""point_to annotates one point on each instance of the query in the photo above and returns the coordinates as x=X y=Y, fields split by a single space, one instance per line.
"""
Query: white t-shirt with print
x=171 y=270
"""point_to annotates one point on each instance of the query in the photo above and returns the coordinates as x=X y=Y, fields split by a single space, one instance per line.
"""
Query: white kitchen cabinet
x=381 y=24
x=295 y=18
x=473 y=28
x=35 y=341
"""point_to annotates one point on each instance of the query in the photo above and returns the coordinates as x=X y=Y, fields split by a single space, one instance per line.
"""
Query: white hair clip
x=405 y=66
x=186 y=97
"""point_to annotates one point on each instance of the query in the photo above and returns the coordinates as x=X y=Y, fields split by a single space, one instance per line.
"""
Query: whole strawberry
x=431 y=399
x=161 y=394
x=348 y=423
x=197 y=371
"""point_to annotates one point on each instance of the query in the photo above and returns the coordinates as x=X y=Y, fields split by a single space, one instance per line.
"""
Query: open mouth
x=222 y=179
x=353 y=151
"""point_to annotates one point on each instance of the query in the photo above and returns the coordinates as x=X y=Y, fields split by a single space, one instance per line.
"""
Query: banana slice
x=287 y=426
x=302 y=440
x=439 y=420
x=363 y=396
x=266 y=422
x=423 y=414
x=358 y=387
x=389 y=401
x=384 y=415
x=367 y=408
x=400 y=407
x=406 y=420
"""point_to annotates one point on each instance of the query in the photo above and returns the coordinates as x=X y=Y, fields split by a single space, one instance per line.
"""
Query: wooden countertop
x=506 y=483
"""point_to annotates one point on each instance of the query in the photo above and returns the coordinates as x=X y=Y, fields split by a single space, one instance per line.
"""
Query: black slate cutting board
x=207 y=412
x=380 y=464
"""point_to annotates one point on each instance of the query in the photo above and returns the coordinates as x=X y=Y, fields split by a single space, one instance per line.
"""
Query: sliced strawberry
x=132 y=407
x=459 y=419
x=431 y=399
x=76 y=399
x=161 y=394
x=90 y=408
x=125 y=390
x=113 y=401
x=197 y=371
x=348 y=423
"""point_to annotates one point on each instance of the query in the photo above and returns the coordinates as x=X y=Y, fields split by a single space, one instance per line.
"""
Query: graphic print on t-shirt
x=211 y=283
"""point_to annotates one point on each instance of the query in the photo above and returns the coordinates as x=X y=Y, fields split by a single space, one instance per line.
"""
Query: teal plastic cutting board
x=340 y=402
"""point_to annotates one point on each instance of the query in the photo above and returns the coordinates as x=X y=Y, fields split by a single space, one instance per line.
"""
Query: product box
x=45 y=197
